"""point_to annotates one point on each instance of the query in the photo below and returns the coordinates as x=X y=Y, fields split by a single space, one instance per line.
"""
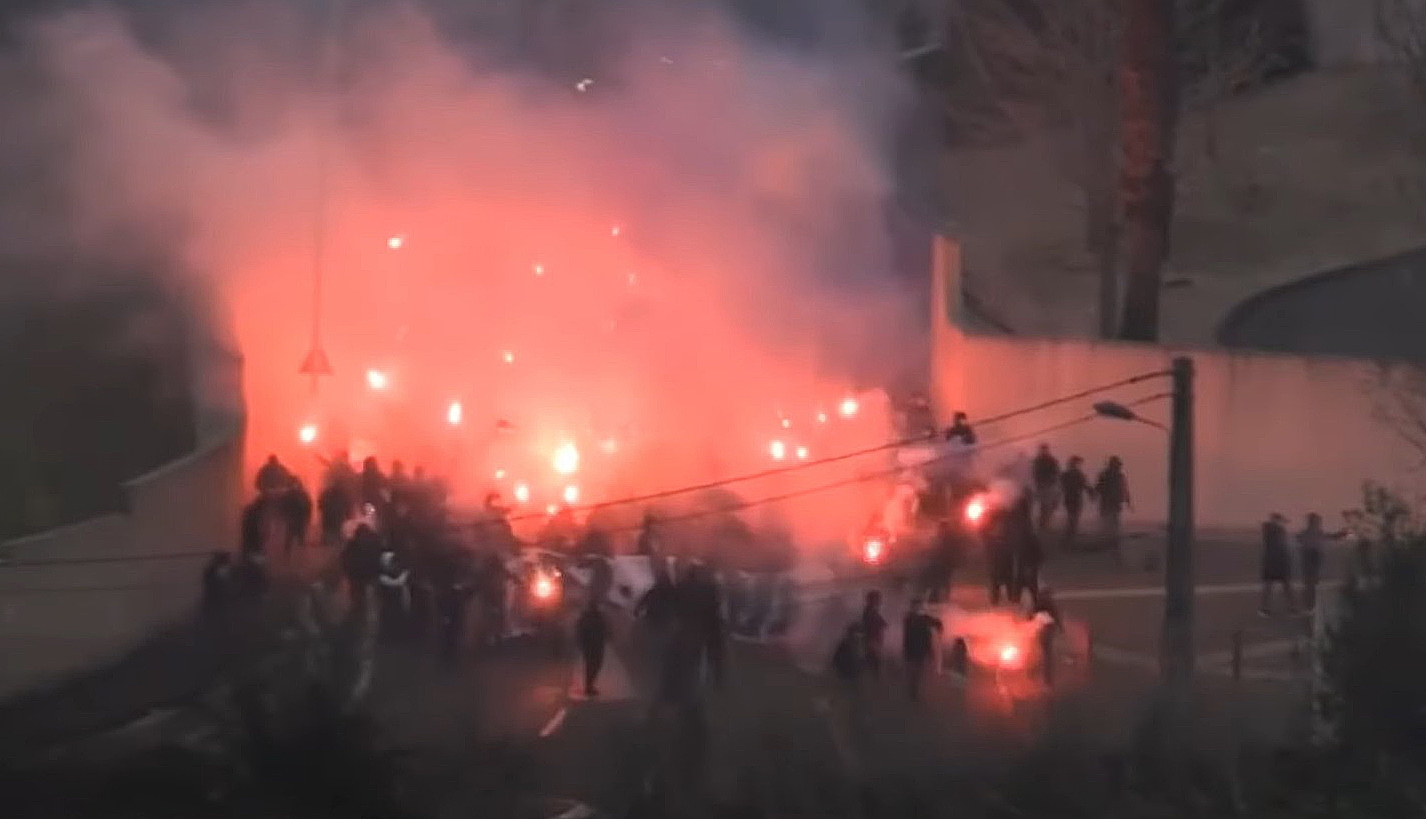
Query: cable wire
x=163 y=556
x=782 y=470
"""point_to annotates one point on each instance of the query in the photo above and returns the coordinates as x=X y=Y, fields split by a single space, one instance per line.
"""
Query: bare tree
x=1148 y=105
x=1221 y=56
x=1048 y=66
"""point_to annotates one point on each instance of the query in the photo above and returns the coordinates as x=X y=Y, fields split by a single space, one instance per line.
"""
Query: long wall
x=1273 y=433
x=75 y=597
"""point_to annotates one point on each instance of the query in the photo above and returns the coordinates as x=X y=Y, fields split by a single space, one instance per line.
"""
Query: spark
x=849 y=407
x=543 y=587
x=454 y=413
x=307 y=434
x=571 y=494
x=610 y=446
x=376 y=379
x=566 y=459
x=778 y=450
x=396 y=242
x=821 y=417
x=666 y=60
x=521 y=491
x=552 y=510
x=499 y=474
x=787 y=423
x=632 y=279
x=615 y=231
x=583 y=85
x=539 y=269
x=508 y=356
x=802 y=453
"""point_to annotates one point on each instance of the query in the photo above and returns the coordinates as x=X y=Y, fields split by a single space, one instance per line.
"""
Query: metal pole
x=1176 y=657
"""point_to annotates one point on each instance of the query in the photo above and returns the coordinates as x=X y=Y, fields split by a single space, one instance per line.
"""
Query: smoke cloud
x=644 y=231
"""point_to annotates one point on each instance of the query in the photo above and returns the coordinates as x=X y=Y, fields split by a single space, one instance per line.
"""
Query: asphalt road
x=780 y=720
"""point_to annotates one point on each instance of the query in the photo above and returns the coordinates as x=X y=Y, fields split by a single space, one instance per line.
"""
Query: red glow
x=544 y=588
x=873 y=551
x=975 y=510
x=1009 y=655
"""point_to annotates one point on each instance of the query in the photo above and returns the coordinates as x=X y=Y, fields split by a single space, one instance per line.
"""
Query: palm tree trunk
x=1148 y=99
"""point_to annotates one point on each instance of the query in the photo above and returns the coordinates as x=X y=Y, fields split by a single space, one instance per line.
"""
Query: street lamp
x=1119 y=412
x=1176 y=649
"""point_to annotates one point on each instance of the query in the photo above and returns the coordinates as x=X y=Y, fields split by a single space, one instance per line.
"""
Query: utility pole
x=1176 y=649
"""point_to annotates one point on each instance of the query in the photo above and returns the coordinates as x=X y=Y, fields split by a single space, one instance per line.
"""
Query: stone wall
x=1273 y=433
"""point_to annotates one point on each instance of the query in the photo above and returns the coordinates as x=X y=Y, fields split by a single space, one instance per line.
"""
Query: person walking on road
x=919 y=635
x=1310 y=543
x=1112 y=491
x=1045 y=470
x=1074 y=487
x=592 y=634
x=1276 y=564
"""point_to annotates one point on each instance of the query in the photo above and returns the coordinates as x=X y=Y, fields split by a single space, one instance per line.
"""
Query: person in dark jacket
x=335 y=504
x=1029 y=555
x=361 y=563
x=373 y=484
x=999 y=537
x=394 y=591
x=1112 y=492
x=456 y=586
x=1074 y=488
x=1310 y=543
x=960 y=429
x=944 y=560
x=297 y=514
x=1276 y=563
x=1045 y=470
x=919 y=634
x=592 y=635
x=701 y=607
x=272 y=476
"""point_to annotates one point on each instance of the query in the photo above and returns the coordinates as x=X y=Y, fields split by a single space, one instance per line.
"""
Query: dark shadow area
x=97 y=386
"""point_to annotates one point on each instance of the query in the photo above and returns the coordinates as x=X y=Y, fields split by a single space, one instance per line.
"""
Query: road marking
x=1158 y=591
x=555 y=722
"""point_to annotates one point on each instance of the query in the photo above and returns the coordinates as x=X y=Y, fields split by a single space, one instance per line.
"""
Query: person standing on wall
x=1112 y=491
x=1045 y=470
x=1074 y=487
x=1276 y=564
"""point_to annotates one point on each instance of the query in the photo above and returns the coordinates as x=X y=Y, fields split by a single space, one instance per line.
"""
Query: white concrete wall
x=1273 y=433
x=61 y=618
